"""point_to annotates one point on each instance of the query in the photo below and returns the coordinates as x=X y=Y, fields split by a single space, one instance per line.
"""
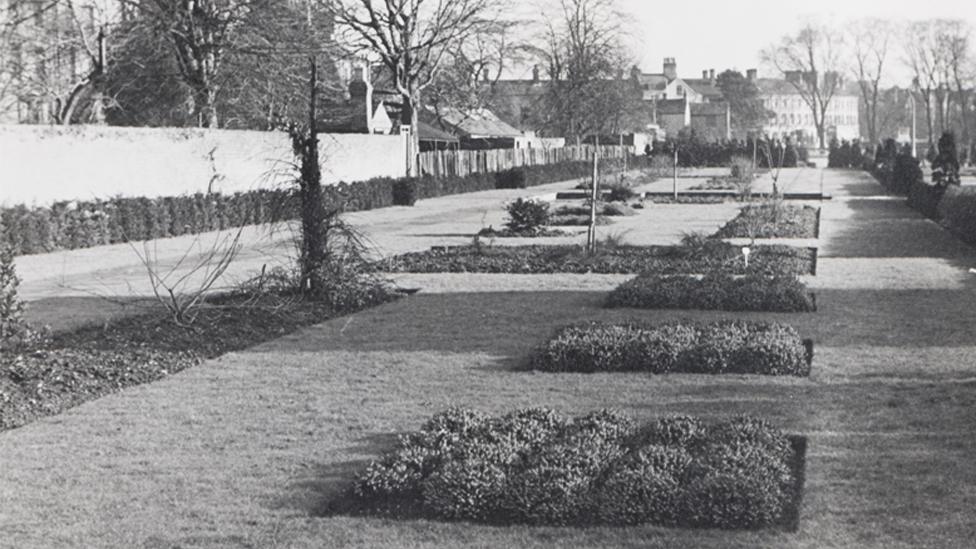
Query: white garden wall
x=42 y=164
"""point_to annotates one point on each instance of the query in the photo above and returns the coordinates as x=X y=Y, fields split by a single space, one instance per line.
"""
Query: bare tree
x=54 y=57
x=870 y=41
x=923 y=58
x=954 y=40
x=583 y=51
x=413 y=39
x=811 y=60
x=199 y=32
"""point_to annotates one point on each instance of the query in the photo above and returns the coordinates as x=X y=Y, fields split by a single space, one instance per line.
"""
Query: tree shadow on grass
x=512 y=324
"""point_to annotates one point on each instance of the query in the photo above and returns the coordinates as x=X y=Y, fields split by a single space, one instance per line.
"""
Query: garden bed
x=87 y=363
x=773 y=221
x=542 y=232
x=712 y=256
x=722 y=347
x=537 y=467
x=715 y=291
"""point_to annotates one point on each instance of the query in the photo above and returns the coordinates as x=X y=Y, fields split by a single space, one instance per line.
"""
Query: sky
x=719 y=34
x=724 y=34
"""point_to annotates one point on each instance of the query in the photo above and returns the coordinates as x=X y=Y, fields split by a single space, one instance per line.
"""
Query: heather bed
x=773 y=220
x=715 y=291
x=534 y=466
x=769 y=259
x=720 y=347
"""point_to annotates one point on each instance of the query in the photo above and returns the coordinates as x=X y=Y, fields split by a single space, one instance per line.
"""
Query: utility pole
x=595 y=193
x=674 y=173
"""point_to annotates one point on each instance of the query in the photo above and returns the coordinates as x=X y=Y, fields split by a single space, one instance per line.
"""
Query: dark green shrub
x=619 y=192
x=526 y=215
x=957 y=211
x=643 y=487
x=778 y=293
x=510 y=179
x=945 y=166
x=711 y=348
x=587 y=470
x=405 y=192
x=13 y=329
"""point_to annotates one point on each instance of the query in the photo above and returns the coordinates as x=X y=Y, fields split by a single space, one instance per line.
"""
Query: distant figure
x=647 y=149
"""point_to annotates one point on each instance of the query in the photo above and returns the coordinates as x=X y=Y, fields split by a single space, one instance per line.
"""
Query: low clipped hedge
x=722 y=347
x=535 y=466
x=76 y=224
x=711 y=256
x=715 y=291
x=957 y=211
x=772 y=221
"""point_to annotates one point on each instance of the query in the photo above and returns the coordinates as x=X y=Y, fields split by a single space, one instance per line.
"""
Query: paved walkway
x=242 y=451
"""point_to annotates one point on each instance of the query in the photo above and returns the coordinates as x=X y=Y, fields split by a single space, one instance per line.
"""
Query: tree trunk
x=313 y=214
x=410 y=117
x=205 y=105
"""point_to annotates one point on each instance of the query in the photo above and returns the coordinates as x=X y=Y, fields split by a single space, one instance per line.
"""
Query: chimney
x=711 y=75
x=361 y=90
x=751 y=74
x=485 y=74
x=535 y=73
x=670 y=68
x=704 y=75
x=620 y=74
x=635 y=72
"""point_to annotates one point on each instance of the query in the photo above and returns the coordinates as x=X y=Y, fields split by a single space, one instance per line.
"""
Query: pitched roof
x=431 y=133
x=705 y=86
x=476 y=123
x=671 y=106
x=653 y=81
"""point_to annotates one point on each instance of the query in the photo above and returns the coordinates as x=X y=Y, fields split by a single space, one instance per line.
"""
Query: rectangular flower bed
x=722 y=347
x=714 y=291
x=535 y=466
x=712 y=256
x=773 y=221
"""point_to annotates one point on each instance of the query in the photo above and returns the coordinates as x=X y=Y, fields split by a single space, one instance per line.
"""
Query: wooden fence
x=466 y=162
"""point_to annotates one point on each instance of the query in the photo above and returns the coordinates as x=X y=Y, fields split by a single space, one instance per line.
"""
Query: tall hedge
x=85 y=223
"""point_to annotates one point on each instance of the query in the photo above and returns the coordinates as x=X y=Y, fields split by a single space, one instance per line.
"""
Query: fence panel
x=466 y=162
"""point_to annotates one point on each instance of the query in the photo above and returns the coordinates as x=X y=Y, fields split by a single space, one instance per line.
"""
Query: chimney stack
x=704 y=75
x=535 y=73
x=670 y=68
x=751 y=75
x=711 y=75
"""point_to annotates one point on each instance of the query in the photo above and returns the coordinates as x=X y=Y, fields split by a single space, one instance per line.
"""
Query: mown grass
x=248 y=449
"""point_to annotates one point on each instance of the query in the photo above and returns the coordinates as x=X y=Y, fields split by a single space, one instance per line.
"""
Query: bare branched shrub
x=182 y=287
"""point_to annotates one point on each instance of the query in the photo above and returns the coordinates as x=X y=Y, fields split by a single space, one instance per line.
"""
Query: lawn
x=251 y=449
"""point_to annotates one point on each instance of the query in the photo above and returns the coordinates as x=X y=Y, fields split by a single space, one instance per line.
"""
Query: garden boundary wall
x=43 y=164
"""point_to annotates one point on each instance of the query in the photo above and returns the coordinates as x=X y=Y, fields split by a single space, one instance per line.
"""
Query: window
x=681 y=90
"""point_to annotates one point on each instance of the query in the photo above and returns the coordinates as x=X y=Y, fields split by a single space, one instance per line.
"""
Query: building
x=686 y=103
x=793 y=117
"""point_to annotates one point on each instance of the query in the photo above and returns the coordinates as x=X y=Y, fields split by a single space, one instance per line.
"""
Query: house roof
x=706 y=87
x=705 y=109
x=431 y=133
x=671 y=106
x=476 y=123
x=653 y=81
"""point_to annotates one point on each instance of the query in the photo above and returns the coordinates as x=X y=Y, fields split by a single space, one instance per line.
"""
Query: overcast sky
x=719 y=34
x=722 y=34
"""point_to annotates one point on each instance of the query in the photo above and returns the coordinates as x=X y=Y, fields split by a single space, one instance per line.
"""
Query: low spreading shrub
x=534 y=466
x=719 y=291
x=772 y=219
x=610 y=209
x=712 y=256
x=725 y=347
